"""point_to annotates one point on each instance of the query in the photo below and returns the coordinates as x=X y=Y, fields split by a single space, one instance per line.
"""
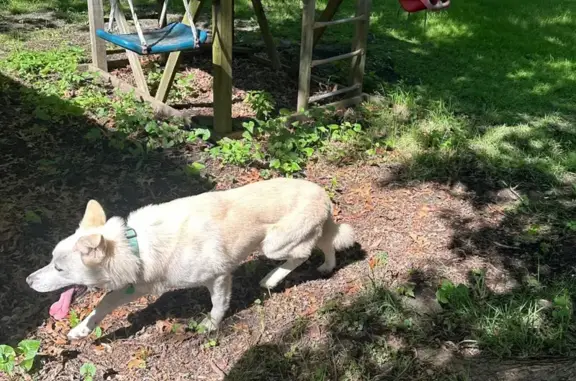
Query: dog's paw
x=325 y=269
x=208 y=325
x=79 y=332
x=269 y=283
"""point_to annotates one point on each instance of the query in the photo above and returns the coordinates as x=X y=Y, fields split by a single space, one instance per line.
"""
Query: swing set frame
x=222 y=53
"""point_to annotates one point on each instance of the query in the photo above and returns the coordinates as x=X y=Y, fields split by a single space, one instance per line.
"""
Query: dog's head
x=76 y=260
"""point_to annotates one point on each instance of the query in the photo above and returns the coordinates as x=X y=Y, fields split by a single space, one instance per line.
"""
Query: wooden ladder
x=311 y=32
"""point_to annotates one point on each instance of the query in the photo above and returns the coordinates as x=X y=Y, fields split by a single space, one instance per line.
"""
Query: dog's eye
x=57 y=268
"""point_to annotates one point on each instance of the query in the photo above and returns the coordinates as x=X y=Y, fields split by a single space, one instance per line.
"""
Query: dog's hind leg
x=295 y=245
x=109 y=303
x=277 y=275
x=329 y=257
x=220 y=293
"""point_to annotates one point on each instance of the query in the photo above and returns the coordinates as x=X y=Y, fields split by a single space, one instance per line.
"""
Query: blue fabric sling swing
x=171 y=38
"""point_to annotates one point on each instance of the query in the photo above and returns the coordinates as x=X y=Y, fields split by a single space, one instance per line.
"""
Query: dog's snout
x=30 y=279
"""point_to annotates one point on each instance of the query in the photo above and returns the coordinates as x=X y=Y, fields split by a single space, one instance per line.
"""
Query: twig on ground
x=217 y=369
x=505 y=246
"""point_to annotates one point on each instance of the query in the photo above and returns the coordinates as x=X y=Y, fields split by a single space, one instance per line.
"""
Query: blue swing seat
x=173 y=37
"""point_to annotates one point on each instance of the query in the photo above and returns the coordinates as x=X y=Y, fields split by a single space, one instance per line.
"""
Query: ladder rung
x=319 y=97
x=337 y=58
x=322 y=24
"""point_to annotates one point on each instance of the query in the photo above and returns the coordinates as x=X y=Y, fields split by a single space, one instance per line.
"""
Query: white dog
x=192 y=241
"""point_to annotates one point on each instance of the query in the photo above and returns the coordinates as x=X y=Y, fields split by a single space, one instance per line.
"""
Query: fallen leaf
x=136 y=363
x=353 y=289
x=372 y=262
x=163 y=326
x=99 y=348
x=60 y=341
x=241 y=327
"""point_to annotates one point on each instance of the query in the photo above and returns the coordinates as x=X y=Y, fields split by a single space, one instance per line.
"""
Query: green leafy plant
x=211 y=343
x=261 y=102
x=7 y=359
x=286 y=144
x=88 y=371
x=183 y=87
x=22 y=357
x=562 y=307
x=241 y=151
x=453 y=295
x=73 y=319
x=406 y=289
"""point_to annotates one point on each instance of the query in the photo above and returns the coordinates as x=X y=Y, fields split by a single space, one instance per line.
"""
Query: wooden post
x=327 y=15
x=266 y=34
x=359 y=43
x=222 y=14
x=306 y=47
x=133 y=58
x=98 y=46
x=174 y=57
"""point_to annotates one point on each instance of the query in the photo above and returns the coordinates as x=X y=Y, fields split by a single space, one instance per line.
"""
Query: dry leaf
x=136 y=363
x=60 y=341
x=372 y=262
x=241 y=327
x=163 y=326
x=353 y=289
x=99 y=348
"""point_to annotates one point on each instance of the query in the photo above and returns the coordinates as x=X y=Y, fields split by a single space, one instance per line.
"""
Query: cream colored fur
x=196 y=241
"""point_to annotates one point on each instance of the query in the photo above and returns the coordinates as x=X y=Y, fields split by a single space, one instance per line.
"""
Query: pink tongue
x=60 y=309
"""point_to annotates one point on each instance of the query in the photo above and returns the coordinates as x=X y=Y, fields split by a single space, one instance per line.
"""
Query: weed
x=261 y=102
x=73 y=318
x=285 y=146
x=132 y=123
x=211 y=343
x=88 y=371
x=516 y=325
x=19 y=358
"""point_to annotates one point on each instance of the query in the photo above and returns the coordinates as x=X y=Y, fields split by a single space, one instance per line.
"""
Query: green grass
x=379 y=336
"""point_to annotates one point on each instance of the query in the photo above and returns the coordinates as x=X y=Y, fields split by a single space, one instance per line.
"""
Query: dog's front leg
x=220 y=292
x=109 y=303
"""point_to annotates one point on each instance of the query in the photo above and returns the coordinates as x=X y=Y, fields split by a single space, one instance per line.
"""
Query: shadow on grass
x=384 y=336
x=524 y=172
x=49 y=171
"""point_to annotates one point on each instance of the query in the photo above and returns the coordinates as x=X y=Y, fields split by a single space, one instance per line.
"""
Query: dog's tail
x=339 y=235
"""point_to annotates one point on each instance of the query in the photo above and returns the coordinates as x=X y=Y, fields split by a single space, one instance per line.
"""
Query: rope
x=113 y=6
x=191 y=21
x=138 y=28
x=163 y=14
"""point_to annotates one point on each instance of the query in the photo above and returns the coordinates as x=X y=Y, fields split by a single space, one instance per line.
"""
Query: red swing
x=412 y=6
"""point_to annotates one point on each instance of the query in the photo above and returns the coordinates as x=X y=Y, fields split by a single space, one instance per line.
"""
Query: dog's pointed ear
x=92 y=248
x=94 y=215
